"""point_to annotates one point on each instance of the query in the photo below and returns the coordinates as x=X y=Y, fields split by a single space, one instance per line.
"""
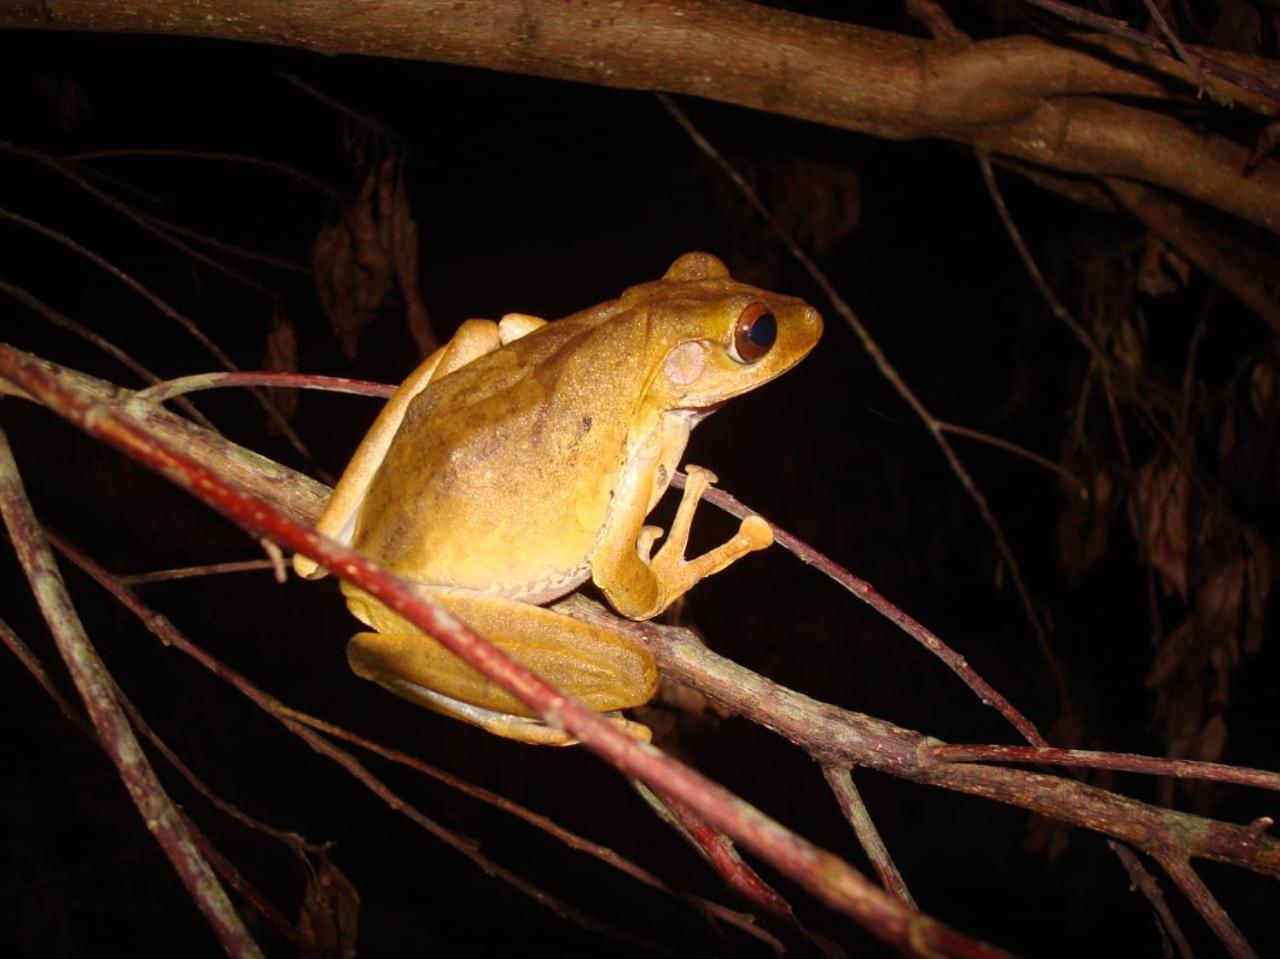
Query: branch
x=844 y=738
x=1021 y=97
x=825 y=875
x=115 y=735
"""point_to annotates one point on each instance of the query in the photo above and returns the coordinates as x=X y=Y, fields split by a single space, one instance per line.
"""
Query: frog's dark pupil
x=763 y=331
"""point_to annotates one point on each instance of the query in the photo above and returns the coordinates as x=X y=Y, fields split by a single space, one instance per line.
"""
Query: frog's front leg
x=640 y=587
x=605 y=671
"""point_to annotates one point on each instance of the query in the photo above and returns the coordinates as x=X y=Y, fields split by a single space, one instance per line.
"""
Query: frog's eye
x=754 y=333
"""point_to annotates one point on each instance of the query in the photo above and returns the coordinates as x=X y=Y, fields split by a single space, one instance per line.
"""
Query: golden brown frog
x=521 y=459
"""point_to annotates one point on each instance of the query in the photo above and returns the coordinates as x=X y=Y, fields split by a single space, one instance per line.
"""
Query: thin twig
x=189 y=572
x=827 y=876
x=164 y=630
x=1170 y=932
x=1124 y=762
x=223 y=865
x=96 y=689
x=571 y=839
x=1117 y=28
x=1030 y=455
x=58 y=318
x=1178 y=866
x=22 y=652
x=253 y=256
x=855 y=811
x=868 y=594
x=174 y=314
x=890 y=373
x=167 y=390
x=302 y=176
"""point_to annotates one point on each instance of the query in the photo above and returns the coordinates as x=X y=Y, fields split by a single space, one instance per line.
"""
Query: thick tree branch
x=1019 y=96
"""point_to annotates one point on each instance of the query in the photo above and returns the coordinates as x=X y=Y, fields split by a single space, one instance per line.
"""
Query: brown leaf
x=1129 y=343
x=818 y=203
x=1263 y=395
x=1212 y=741
x=330 y=913
x=281 y=356
x=1267 y=141
x=1238 y=27
x=1085 y=528
x=1171 y=655
x=1226 y=438
x=1158 y=517
x=1259 y=575
x=359 y=262
x=404 y=241
x=1218 y=599
x=1161 y=270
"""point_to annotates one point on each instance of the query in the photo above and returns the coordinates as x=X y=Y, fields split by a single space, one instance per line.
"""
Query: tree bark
x=1020 y=97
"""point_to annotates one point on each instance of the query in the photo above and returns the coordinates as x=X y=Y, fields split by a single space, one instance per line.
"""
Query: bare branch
x=1021 y=97
x=826 y=876
x=113 y=731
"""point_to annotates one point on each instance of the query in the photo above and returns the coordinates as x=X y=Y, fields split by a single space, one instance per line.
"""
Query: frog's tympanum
x=522 y=458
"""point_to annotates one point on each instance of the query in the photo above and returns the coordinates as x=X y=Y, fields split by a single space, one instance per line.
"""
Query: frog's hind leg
x=474 y=339
x=521 y=728
x=605 y=671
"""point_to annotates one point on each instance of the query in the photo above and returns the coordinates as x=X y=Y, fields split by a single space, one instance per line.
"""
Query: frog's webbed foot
x=674 y=573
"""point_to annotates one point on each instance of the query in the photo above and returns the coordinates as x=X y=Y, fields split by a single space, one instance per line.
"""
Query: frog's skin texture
x=521 y=459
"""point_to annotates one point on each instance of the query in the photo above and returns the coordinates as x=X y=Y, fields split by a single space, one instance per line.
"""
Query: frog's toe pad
x=756 y=532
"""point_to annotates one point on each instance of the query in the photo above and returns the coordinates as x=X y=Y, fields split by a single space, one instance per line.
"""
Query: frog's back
x=501 y=475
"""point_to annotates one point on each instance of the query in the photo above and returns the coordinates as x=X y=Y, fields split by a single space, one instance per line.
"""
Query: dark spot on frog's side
x=586 y=424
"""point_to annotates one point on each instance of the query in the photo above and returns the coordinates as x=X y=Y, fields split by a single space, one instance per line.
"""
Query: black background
x=546 y=197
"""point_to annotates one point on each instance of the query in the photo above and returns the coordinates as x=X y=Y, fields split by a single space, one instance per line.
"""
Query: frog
x=522 y=458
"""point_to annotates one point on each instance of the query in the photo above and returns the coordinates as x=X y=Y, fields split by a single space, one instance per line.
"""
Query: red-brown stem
x=869 y=595
x=300 y=726
x=1125 y=762
x=855 y=811
x=168 y=389
x=571 y=839
x=224 y=866
x=97 y=690
x=717 y=849
x=1146 y=884
x=1178 y=866
x=827 y=876
x=189 y=572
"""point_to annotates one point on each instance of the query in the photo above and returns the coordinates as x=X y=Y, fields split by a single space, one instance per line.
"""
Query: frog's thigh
x=603 y=670
x=473 y=339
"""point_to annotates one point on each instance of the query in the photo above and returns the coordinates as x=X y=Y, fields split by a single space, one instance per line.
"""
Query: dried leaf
x=1171 y=656
x=1161 y=270
x=1259 y=575
x=1263 y=395
x=1212 y=741
x=1267 y=141
x=1158 y=517
x=359 y=262
x=281 y=356
x=1238 y=27
x=1218 y=599
x=1226 y=438
x=330 y=913
x=1085 y=528
x=404 y=241
x=818 y=203
x=1129 y=343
